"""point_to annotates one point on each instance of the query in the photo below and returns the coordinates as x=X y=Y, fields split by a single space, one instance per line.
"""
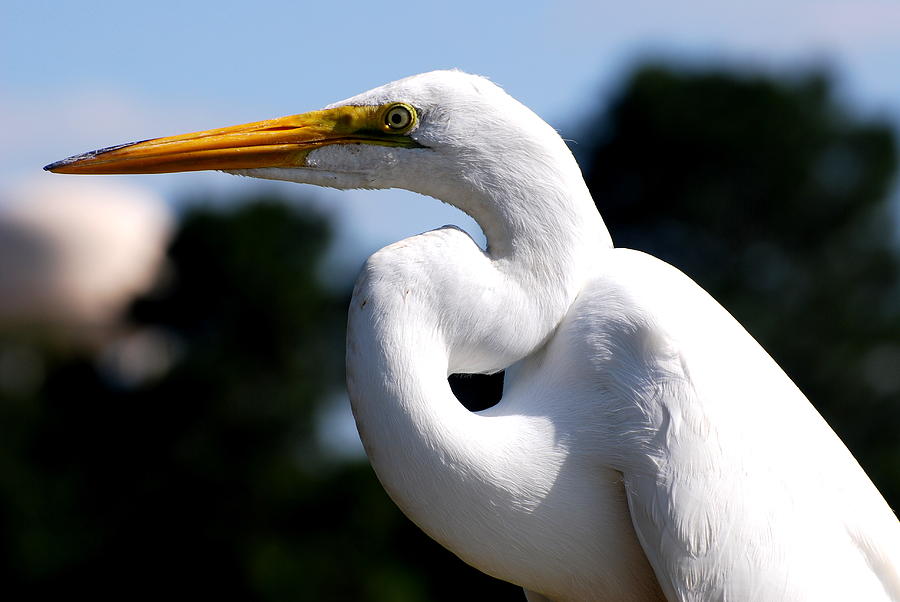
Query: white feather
x=645 y=445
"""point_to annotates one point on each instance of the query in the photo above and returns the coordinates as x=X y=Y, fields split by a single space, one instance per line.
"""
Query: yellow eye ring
x=399 y=117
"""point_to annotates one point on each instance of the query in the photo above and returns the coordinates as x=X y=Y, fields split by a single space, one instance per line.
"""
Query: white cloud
x=75 y=253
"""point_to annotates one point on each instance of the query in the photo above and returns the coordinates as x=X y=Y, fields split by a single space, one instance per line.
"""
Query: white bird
x=645 y=447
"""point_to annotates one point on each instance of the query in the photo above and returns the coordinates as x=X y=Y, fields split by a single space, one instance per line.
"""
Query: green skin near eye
x=396 y=120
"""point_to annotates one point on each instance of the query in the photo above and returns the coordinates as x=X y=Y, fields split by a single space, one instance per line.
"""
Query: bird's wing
x=738 y=489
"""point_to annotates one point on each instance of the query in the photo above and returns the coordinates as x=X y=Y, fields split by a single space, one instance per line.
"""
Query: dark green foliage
x=207 y=483
x=773 y=197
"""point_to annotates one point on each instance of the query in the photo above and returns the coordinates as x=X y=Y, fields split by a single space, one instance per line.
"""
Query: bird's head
x=446 y=134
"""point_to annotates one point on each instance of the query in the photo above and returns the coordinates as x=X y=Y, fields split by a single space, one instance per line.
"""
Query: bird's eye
x=399 y=117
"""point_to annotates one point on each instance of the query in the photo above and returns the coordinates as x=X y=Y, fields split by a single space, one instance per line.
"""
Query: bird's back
x=737 y=488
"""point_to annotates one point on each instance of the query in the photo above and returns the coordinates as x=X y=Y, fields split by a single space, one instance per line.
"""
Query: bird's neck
x=544 y=234
x=548 y=223
x=436 y=304
x=445 y=467
x=527 y=211
x=547 y=240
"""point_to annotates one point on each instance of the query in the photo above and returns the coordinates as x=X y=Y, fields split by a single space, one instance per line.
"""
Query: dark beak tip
x=87 y=156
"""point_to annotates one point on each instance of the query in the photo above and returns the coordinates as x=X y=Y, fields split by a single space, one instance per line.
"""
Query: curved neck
x=435 y=304
x=525 y=212
x=545 y=238
x=486 y=486
x=446 y=468
x=543 y=230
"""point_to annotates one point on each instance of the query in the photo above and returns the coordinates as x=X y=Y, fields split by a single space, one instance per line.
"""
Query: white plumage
x=645 y=446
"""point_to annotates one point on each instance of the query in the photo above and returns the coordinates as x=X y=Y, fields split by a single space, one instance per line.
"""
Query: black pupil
x=396 y=118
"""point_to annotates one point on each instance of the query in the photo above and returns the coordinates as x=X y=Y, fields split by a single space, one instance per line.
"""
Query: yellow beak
x=283 y=142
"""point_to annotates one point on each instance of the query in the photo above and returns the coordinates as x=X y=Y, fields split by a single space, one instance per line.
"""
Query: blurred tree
x=774 y=198
x=202 y=482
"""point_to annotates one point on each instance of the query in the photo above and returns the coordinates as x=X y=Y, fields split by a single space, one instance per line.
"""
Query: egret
x=645 y=447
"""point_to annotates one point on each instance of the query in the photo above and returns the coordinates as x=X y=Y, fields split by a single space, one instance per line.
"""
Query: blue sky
x=76 y=76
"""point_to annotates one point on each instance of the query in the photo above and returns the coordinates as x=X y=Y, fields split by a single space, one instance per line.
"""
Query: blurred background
x=173 y=420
